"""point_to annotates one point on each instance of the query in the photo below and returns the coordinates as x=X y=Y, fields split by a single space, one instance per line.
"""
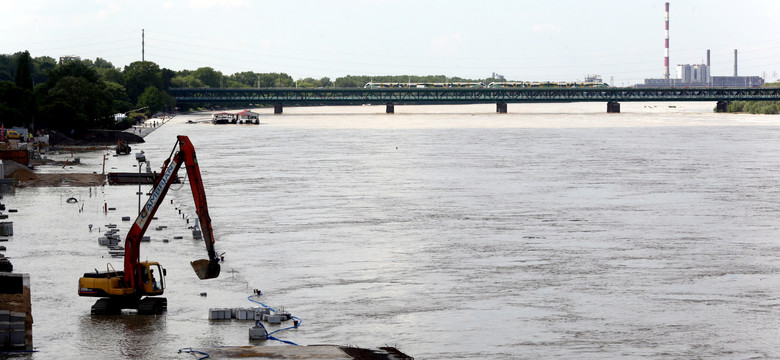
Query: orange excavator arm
x=204 y=268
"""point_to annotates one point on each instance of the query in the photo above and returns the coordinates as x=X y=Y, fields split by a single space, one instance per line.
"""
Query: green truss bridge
x=280 y=97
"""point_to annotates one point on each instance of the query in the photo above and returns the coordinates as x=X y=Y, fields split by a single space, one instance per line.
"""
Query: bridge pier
x=722 y=106
x=501 y=108
x=390 y=109
x=613 y=107
x=277 y=108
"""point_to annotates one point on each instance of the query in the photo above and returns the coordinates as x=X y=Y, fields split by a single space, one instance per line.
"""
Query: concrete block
x=5 y=315
x=16 y=338
x=16 y=317
x=258 y=333
x=243 y=314
x=215 y=314
x=7 y=228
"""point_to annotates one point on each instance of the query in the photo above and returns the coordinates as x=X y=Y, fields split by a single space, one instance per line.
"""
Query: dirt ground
x=25 y=177
x=49 y=180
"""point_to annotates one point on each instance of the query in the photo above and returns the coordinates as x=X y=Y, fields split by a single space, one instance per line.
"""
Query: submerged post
x=501 y=108
x=613 y=107
x=277 y=108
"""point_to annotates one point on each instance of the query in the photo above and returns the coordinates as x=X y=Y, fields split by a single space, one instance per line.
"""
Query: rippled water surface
x=554 y=231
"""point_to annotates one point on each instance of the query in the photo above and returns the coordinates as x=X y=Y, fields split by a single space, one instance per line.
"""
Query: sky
x=555 y=40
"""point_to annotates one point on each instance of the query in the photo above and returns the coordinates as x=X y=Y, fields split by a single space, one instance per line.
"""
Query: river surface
x=449 y=232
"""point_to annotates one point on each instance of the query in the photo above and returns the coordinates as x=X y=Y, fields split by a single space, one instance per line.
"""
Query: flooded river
x=449 y=232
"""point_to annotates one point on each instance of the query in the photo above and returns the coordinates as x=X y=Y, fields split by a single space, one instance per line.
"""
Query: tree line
x=74 y=95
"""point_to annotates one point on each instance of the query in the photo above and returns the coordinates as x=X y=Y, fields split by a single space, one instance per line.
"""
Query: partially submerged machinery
x=122 y=147
x=140 y=283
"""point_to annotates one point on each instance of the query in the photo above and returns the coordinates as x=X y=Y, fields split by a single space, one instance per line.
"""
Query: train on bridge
x=492 y=85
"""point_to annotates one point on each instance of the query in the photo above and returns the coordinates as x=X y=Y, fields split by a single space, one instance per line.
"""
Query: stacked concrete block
x=15 y=312
x=257 y=314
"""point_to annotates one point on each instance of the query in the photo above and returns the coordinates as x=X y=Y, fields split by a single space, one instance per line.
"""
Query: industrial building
x=697 y=75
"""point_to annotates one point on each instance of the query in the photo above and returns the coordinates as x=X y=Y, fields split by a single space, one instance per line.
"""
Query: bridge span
x=280 y=97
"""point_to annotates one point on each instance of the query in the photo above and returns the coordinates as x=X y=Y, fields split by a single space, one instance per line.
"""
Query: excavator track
x=152 y=306
x=106 y=307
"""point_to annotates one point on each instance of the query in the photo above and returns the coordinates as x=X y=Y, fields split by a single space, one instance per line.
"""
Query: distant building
x=737 y=81
x=68 y=58
x=699 y=75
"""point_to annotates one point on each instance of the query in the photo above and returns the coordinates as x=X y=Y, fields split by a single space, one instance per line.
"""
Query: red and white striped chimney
x=666 y=45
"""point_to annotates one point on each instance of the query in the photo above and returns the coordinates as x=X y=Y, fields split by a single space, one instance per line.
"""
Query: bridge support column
x=390 y=109
x=722 y=106
x=501 y=108
x=613 y=107
x=277 y=108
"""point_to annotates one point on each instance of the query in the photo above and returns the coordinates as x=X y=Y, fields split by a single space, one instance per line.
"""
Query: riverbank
x=27 y=177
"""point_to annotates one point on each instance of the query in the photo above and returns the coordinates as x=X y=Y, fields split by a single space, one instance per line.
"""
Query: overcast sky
x=561 y=40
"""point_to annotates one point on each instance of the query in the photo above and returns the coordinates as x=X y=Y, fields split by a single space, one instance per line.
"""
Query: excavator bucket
x=205 y=269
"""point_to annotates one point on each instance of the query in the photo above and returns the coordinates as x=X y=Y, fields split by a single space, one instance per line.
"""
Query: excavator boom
x=204 y=268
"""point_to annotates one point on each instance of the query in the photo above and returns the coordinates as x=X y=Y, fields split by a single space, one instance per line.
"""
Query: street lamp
x=141 y=159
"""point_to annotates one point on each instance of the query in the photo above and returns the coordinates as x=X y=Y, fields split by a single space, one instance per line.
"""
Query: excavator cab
x=152 y=277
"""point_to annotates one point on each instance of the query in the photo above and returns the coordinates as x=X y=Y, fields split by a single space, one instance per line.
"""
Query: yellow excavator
x=139 y=284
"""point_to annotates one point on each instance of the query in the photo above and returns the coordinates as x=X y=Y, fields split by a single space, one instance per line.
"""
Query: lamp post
x=141 y=159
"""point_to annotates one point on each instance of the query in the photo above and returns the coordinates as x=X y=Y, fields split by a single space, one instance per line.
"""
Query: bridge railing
x=340 y=96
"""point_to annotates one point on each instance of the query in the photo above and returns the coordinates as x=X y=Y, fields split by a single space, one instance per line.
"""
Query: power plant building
x=699 y=73
x=696 y=75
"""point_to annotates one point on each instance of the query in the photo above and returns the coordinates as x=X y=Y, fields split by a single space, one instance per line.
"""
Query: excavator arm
x=204 y=268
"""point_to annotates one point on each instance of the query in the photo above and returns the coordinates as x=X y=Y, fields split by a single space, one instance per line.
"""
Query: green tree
x=139 y=75
x=41 y=67
x=351 y=81
x=23 y=78
x=269 y=80
x=167 y=76
x=111 y=74
x=85 y=104
x=187 y=81
x=307 y=83
x=72 y=69
x=152 y=99
x=7 y=69
x=208 y=76
x=102 y=64
x=11 y=96
x=118 y=95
